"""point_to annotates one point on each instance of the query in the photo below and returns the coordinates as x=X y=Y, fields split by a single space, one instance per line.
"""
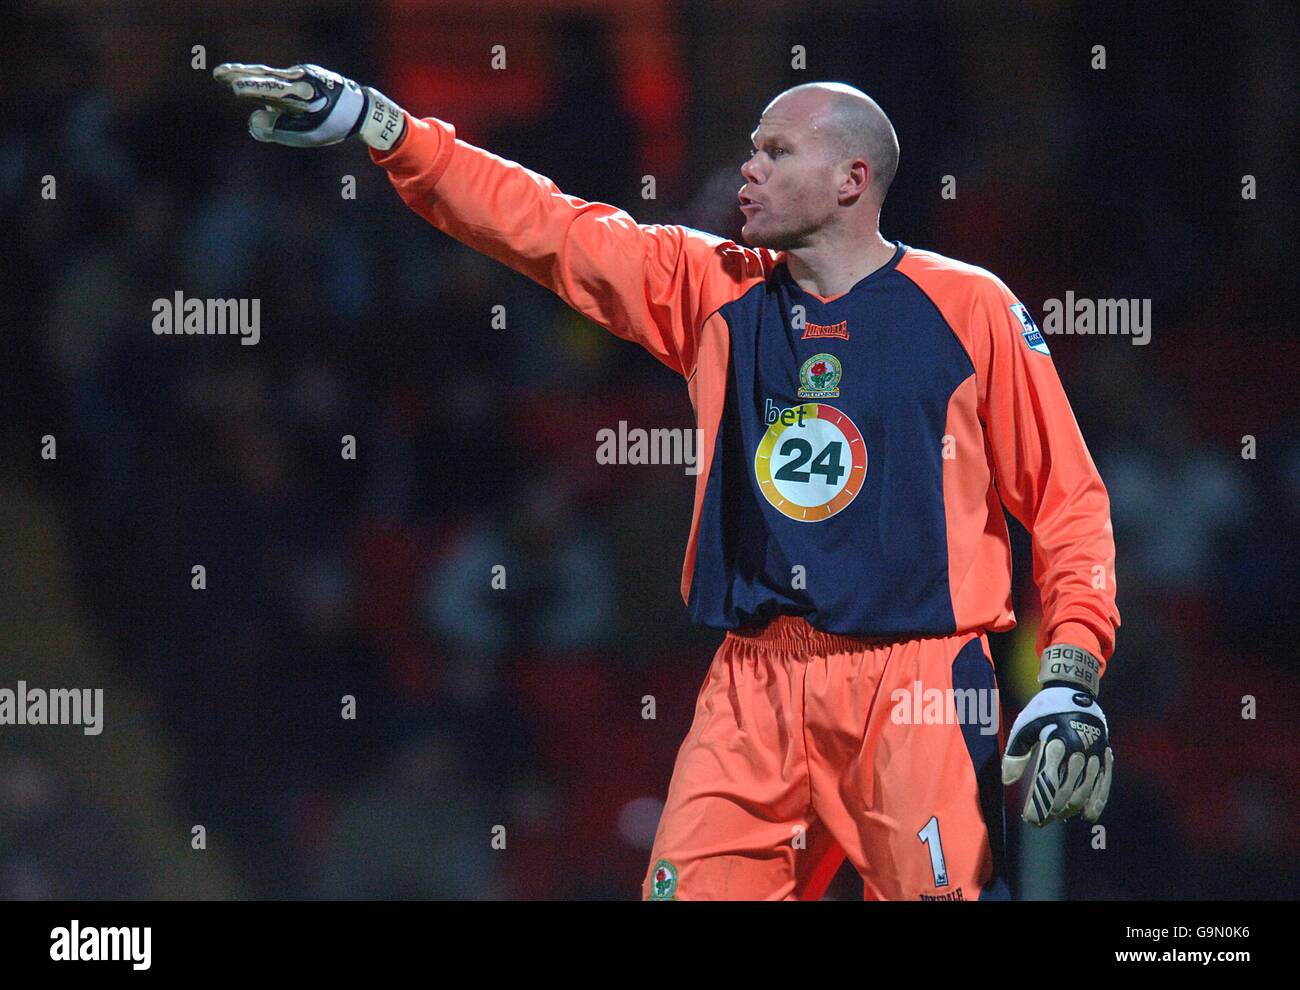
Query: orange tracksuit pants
x=807 y=747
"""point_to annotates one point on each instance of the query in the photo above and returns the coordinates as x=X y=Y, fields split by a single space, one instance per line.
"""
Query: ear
x=857 y=179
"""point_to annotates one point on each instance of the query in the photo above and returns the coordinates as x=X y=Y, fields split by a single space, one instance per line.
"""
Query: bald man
x=866 y=410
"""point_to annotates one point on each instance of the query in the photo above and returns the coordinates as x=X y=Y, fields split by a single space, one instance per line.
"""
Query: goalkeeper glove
x=1063 y=733
x=306 y=106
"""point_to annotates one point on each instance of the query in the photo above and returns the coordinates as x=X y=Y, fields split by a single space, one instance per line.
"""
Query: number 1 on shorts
x=930 y=836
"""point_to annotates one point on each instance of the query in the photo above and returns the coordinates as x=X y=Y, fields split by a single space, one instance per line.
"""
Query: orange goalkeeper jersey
x=855 y=449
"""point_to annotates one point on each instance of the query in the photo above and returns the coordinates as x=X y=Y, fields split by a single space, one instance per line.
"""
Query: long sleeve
x=1044 y=474
x=652 y=284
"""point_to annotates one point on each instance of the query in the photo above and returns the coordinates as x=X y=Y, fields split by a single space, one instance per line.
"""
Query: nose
x=749 y=170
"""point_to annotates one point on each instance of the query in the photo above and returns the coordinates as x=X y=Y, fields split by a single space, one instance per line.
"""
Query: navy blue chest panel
x=825 y=494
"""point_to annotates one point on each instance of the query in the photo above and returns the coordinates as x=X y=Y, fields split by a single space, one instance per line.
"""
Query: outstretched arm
x=650 y=283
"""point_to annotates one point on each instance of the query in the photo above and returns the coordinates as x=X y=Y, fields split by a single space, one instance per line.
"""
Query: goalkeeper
x=867 y=408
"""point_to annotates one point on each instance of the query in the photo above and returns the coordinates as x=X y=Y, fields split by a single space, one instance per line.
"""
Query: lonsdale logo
x=840 y=330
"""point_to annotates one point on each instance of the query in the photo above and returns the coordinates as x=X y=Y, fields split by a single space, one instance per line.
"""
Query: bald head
x=824 y=156
x=851 y=123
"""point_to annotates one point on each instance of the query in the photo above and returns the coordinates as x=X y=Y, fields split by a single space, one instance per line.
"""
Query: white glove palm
x=1063 y=733
x=306 y=106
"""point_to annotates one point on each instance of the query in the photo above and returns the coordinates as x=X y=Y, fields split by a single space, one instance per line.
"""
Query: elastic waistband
x=792 y=632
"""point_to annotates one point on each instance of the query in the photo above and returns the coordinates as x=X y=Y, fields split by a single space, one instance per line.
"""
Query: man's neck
x=831 y=269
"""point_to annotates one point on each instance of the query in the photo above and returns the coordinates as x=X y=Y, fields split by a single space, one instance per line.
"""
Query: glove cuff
x=1071 y=665
x=382 y=123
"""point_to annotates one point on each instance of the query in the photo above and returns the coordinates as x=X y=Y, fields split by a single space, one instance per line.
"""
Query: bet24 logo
x=811 y=462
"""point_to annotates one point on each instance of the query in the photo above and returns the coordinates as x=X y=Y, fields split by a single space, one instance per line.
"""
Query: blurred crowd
x=520 y=710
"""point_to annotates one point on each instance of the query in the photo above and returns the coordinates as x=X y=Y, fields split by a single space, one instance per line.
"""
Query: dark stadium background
x=476 y=446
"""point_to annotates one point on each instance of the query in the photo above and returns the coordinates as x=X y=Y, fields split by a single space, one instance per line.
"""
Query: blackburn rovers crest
x=819 y=378
x=663 y=882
